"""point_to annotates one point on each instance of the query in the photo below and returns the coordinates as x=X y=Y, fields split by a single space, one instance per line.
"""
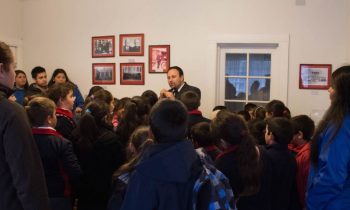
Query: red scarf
x=64 y=112
x=46 y=131
x=229 y=149
x=211 y=148
x=196 y=111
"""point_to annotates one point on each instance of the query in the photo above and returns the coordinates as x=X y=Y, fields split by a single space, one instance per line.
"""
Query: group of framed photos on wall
x=129 y=45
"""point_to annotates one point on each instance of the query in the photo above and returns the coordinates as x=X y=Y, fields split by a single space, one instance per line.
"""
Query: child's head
x=249 y=107
x=259 y=113
x=42 y=112
x=137 y=138
x=229 y=127
x=275 y=108
x=21 y=79
x=150 y=96
x=106 y=96
x=39 y=76
x=62 y=95
x=191 y=100
x=201 y=135
x=278 y=130
x=304 y=128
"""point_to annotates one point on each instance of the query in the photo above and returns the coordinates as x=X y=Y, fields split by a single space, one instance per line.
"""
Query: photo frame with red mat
x=132 y=73
x=159 y=58
x=103 y=73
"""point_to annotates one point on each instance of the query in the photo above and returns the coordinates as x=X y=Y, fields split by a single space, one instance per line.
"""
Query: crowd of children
x=143 y=153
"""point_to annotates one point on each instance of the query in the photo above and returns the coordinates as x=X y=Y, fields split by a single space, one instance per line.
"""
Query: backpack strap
x=213 y=180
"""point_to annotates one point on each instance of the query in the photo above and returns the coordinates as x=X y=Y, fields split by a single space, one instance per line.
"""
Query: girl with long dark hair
x=329 y=178
x=100 y=154
x=240 y=159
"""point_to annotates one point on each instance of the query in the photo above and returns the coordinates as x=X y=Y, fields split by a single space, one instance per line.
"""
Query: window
x=251 y=73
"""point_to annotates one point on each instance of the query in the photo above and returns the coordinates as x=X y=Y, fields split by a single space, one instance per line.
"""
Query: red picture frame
x=159 y=58
x=103 y=46
x=103 y=73
x=132 y=73
x=315 y=76
x=131 y=44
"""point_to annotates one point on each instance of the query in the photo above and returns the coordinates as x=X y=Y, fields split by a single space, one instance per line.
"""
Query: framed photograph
x=132 y=73
x=315 y=76
x=131 y=44
x=159 y=58
x=102 y=46
x=103 y=73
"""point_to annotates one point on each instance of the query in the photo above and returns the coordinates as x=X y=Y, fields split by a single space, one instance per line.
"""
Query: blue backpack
x=215 y=184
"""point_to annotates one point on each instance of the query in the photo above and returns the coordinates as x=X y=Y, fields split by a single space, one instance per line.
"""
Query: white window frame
x=279 y=60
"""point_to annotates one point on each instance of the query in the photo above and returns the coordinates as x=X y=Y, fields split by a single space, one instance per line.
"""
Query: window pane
x=235 y=88
x=259 y=89
x=235 y=106
x=236 y=65
x=259 y=64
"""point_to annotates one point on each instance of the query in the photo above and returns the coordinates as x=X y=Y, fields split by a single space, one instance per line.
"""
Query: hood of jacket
x=168 y=162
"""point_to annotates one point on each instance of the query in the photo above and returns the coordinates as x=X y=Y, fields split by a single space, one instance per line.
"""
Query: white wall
x=11 y=25
x=58 y=34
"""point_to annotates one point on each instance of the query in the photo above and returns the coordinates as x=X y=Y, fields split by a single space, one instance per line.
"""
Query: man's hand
x=166 y=94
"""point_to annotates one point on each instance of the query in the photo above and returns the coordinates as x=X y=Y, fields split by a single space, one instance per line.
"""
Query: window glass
x=236 y=64
x=235 y=88
x=259 y=64
x=259 y=89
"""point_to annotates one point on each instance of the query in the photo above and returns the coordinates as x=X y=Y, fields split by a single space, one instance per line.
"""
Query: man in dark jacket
x=176 y=81
x=165 y=176
x=22 y=182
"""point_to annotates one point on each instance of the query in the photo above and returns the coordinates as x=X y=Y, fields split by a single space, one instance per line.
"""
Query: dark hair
x=55 y=73
x=121 y=103
x=168 y=121
x=37 y=70
x=135 y=114
x=94 y=89
x=338 y=109
x=276 y=108
x=22 y=72
x=92 y=118
x=150 y=96
x=257 y=129
x=178 y=69
x=38 y=109
x=6 y=56
x=102 y=94
x=59 y=91
x=304 y=124
x=233 y=129
x=259 y=113
x=245 y=114
x=140 y=141
x=281 y=128
x=249 y=106
x=220 y=107
x=201 y=135
x=191 y=100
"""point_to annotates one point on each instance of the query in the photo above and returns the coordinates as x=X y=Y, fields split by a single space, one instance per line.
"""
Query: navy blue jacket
x=59 y=161
x=164 y=178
